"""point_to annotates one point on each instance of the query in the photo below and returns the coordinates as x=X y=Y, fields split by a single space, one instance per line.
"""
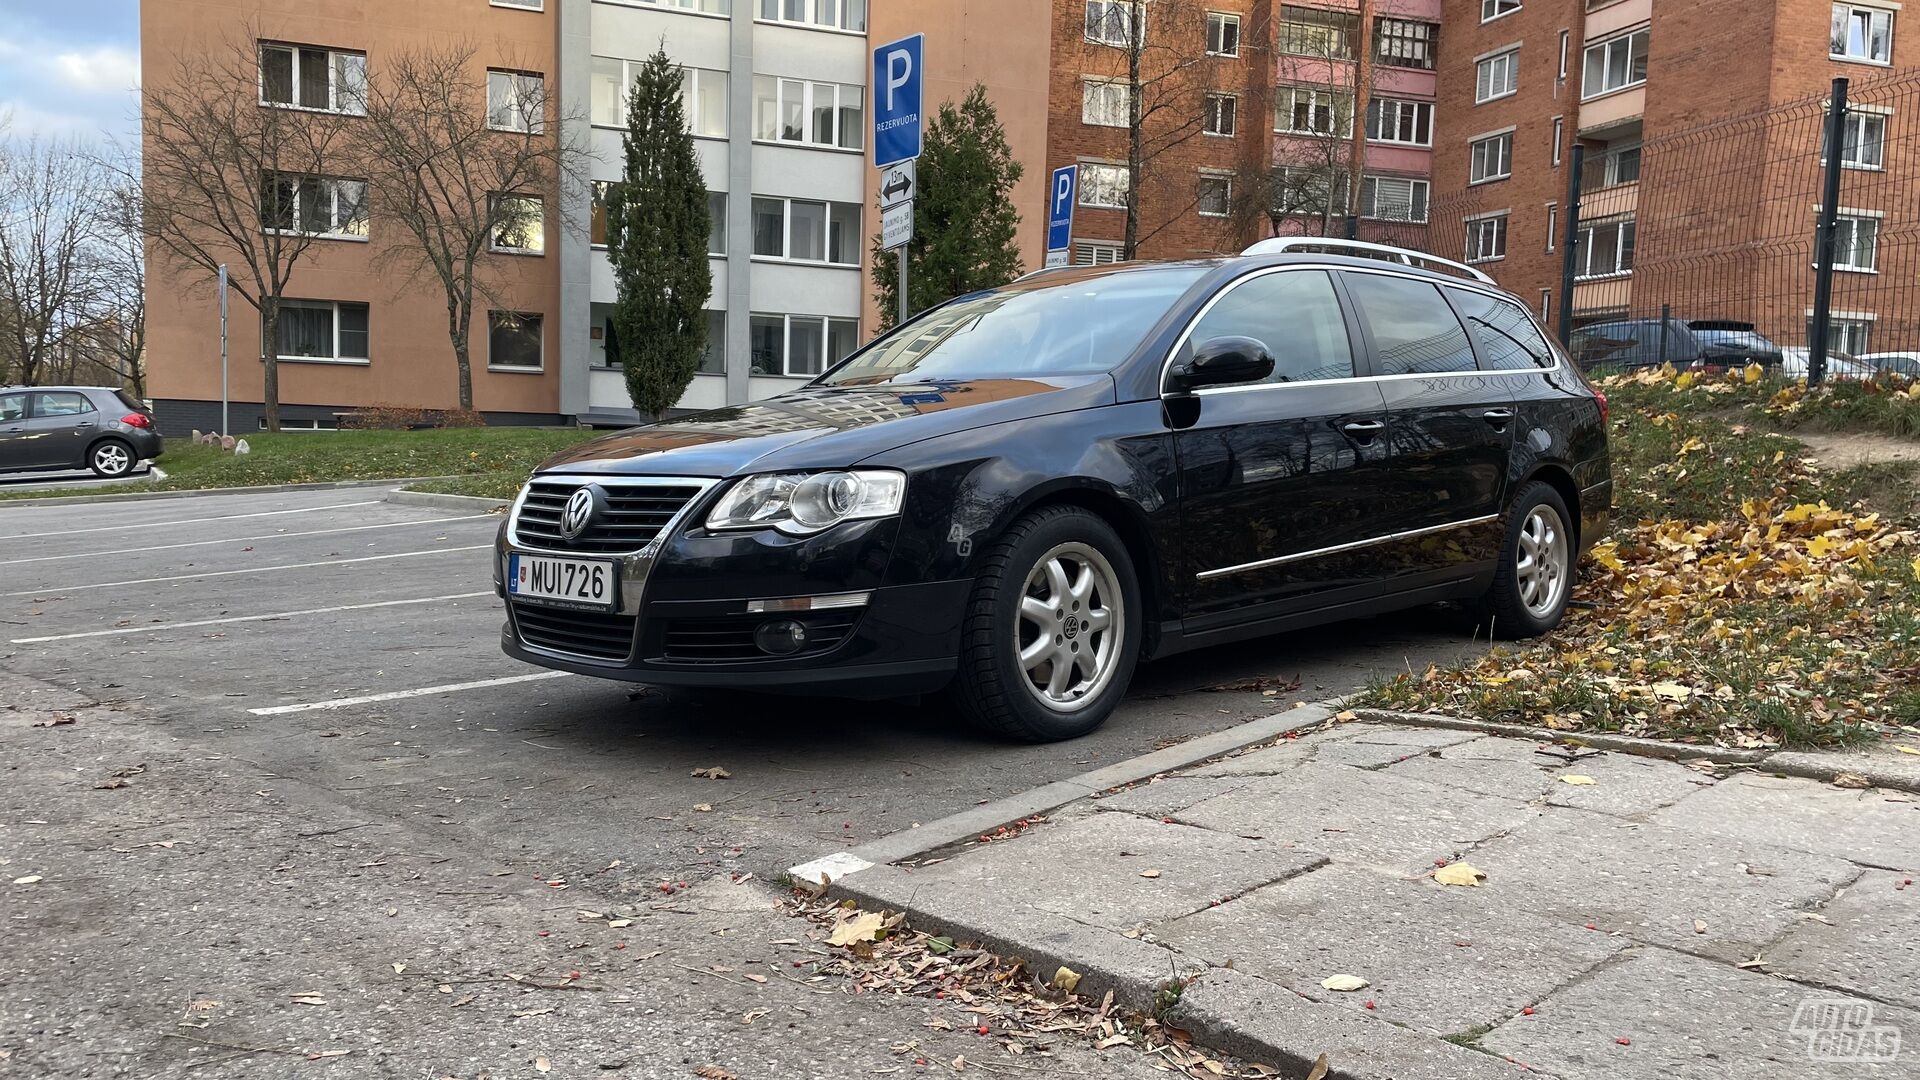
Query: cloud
x=25 y=121
x=103 y=70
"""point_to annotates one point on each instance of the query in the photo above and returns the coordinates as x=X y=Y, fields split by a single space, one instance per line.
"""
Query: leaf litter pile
x=1746 y=597
x=1019 y=1014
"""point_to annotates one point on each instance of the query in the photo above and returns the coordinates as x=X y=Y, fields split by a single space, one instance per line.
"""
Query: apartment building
x=1715 y=224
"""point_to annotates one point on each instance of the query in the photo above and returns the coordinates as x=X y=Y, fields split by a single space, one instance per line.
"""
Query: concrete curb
x=441 y=501
x=1600 y=740
x=1827 y=767
x=187 y=493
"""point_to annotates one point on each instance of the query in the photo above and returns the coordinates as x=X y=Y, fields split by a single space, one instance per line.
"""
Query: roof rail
x=1327 y=245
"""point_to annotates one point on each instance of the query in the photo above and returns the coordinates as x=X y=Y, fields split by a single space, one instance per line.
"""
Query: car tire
x=1534 y=578
x=1071 y=563
x=111 y=458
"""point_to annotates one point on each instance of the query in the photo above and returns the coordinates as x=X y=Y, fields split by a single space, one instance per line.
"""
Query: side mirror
x=1221 y=361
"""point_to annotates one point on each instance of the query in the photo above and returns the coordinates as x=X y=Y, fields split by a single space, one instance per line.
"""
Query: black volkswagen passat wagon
x=1022 y=493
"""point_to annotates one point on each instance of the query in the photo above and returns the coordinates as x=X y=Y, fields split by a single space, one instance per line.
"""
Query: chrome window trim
x=1186 y=334
x=1410 y=534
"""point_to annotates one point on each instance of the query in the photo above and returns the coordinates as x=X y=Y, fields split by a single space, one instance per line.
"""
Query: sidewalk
x=1638 y=918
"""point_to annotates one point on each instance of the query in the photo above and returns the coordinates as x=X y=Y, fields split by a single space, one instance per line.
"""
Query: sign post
x=897 y=108
x=224 y=429
x=1063 y=193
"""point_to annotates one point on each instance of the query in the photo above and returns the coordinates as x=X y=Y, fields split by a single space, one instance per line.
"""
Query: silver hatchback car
x=75 y=427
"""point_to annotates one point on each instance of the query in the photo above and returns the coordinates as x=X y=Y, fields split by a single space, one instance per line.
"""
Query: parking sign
x=1063 y=193
x=896 y=101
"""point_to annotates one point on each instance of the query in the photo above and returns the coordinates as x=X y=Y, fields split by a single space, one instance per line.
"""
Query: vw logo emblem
x=578 y=514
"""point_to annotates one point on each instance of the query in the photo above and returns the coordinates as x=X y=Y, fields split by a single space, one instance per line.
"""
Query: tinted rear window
x=130 y=401
x=1414 y=331
x=1507 y=336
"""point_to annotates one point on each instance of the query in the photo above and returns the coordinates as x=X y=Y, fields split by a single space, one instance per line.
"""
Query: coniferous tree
x=963 y=214
x=657 y=225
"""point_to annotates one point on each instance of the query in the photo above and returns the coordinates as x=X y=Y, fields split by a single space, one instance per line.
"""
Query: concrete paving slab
x=1874 y=827
x=1653 y=883
x=1264 y=1022
x=1435 y=963
x=1660 y=1015
x=1374 y=819
x=1168 y=795
x=1881 y=763
x=1624 y=785
x=1869 y=942
x=1364 y=745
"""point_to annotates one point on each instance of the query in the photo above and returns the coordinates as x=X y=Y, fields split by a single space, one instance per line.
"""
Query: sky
x=70 y=67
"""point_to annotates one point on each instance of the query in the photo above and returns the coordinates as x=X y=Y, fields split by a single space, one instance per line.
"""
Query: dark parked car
x=75 y=427
x=1021 y=493
x=1711 y=345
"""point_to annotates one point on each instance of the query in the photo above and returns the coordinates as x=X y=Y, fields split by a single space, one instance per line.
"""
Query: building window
x=1864 y=144
x=1405 y=43
x=529 y=5
x=803 y=230
x=1493 y=9
x=1110 y=22
x=1497 y=77
x=713 y=357
x=1095 y=253
x=1553 y=226
x=1566 y=38
x=1621 y=166
x=800 y=345
x=710 y=7
x=1302 y=110
x=1106 y=103
x=519 y=225
x=1606 y=249
x=1856 y=243
x=1223 y=114
x=1487 y=239
x=1862 y=33
x=716 y=218
x=1223 y=34
x=1546 y=306
x=703 y=96
x=1492 y=158
x=314 y=205
x=1104 y=186
x=1615 y=64
x=808 y=113
x=1393 y=198
x=1409 y=123
x=304 y=77
x=1305 y=192
x=1559 y=138
x=1216 y=195
x=321 y=330
x=1307 y=31
x=830 y=14
x=1848 y=334
x=515 y=340
x=516 y=101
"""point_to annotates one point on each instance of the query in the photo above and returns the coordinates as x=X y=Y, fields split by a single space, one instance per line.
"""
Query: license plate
x=590 y=584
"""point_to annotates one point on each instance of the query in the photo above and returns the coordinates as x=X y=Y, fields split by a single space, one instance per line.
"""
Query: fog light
x=782 y=637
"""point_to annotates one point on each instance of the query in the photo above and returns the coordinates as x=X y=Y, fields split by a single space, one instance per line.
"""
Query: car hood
x=824 y=427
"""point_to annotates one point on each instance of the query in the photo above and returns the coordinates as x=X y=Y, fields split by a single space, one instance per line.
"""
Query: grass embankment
x=489 y=460
x=1746 y=597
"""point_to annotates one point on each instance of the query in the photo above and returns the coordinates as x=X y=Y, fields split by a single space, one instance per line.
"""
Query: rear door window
x=60 y=403
x=1295 y=314
x=13 y=407
x=1414 y=331
x=1506 y=334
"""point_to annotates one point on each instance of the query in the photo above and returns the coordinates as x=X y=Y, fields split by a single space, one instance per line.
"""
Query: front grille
x=634 y=515
x=730 y=638
x=590 y=634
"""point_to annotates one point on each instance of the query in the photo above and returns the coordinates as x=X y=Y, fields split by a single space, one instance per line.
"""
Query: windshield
x=1078 y=322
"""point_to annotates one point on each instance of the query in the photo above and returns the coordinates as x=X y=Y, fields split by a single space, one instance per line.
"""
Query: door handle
x=1498 y=417
x=1361 y=429
x=83 y=424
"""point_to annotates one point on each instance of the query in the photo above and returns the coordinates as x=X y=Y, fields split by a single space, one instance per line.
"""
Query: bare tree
x=231 y=149
x=47 y=196
x=465 y=161
x=117 y=336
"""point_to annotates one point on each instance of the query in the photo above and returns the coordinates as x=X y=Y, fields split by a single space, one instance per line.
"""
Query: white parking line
x=397 y=695
x=49 y=590
x=159 y=627
x=189 y=521
x=247 y=539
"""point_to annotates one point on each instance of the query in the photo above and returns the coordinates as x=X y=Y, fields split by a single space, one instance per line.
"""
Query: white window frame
x=810 y=11
x=1338 y=103
x=808 y=93
x=1610 y=165
x=1850 y=220
x=334 y=185
x=519 y=5
x=1604 y=51
x=1335 y=195
x=833 y=212
x=520 y=121
x=1496 y=76
x=1553 y=227
x=1225 y=180
x=1377 y=111
x=1419 y=198
x=1109 y=22
x=1482 y=168
x=1089 y=169
x=332 y=306
x=1222 y=118
x=1222 y=20
x=709 y=9
x=1841 y=34
x=1407 y=45
x=1566 y=46
x=1847 y=323
x=1585 y=270
x=1559 y=138
x=493 y=234
x=1101 y=98
x=347 y=101
x=1866 y=117
x=492 y=317
x=1486 y=232
x=1497 y=9
x=1320 y=32
x=827 y=360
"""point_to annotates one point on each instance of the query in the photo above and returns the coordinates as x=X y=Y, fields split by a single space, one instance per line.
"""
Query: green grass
x=496 y=458
x=494 y=485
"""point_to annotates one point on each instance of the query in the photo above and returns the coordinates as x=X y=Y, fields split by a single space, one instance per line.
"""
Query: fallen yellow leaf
x=861 y=927
x=1459 y=873
x=1067 y=979
x=1671 y=690
x=1577 y=780
x=1344 y=984
x=1906 y=749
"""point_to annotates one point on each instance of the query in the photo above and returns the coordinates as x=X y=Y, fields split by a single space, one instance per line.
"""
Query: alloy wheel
x=112 y=459
x=1543 y=568
x=1070 y=627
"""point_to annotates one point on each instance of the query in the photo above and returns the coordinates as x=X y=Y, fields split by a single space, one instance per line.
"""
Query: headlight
x=804 y=503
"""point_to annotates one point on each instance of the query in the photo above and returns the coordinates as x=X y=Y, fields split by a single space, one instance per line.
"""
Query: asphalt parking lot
x=332 y=642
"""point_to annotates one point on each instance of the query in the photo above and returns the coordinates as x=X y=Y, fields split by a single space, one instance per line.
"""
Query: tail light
x=1601 y=397
x=137 y=419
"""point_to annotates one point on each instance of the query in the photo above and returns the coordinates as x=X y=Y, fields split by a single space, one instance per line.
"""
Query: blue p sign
x=1060 y=203
x=896 y=101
